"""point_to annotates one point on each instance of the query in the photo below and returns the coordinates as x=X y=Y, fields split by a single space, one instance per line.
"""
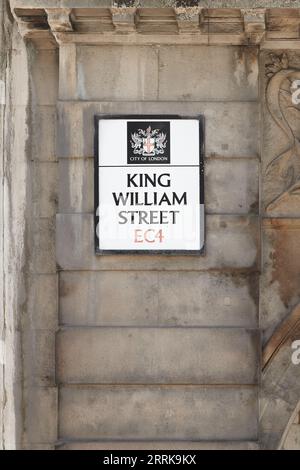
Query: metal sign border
x=200 y=118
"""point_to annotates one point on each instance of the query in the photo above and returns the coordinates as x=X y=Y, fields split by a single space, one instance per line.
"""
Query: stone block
x=44 y=301
x=208 y=73
x=280 y=277
x=43 y=356
x=156 y=299
x=239 y=120
x=19 y=82
x=44 y=76
x=231 y=243
x=158 y=412
x=16 y=143
x=238 y=197
x=43 y=133
x=41 y=422
x=117 y=73
x=45 y=189
x=67 y=71
x=157 y=355
x=44 y=246
x=76 y=185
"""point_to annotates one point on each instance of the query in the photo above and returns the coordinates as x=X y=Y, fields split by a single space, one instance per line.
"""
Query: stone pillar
x=41 y=316
x=13 y=173
x=28 y=268
x=2 y=323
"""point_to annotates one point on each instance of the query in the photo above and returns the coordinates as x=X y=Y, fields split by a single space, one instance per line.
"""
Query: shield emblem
x=148 y=145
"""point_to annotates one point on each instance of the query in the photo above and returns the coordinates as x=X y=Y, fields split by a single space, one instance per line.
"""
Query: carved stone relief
x=282 y=172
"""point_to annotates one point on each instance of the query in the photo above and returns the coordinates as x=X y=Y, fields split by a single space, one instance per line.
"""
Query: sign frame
x=201 y=120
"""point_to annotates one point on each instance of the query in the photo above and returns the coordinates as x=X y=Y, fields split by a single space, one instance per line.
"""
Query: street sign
x=149 y=194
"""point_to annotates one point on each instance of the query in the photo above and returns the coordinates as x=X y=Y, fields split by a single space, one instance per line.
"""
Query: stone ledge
x=186 y=412
x=247 y=23
x=157 y=355
x=155 y=3
x=163 y=445
x=155 y=299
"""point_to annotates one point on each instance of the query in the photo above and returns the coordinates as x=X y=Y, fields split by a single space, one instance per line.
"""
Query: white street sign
x=149 y=185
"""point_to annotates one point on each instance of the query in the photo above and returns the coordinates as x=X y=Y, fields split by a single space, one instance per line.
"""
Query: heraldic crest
x=148 y=142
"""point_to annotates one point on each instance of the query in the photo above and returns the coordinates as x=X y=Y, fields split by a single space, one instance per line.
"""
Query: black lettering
x=173 y=213
x=167 y=184
x=147 y=178
x=121 y=198
x=130 y=181
x=176 y=199
x=165 y=199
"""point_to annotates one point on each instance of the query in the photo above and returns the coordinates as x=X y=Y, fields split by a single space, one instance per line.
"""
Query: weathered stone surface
x=280 y=278
x=279 y=396
x=223 y=4
x=163 y=445
x=122 y=73
x=231 y=242
x=193 y=74
x=43 y=303
x=156 y=299
x=45 y=189
x=292 y=441
x=281 y=133
x=15 y=145
x=157 y=355
x=42 y=416
x=44 y=246
x=42 y=140
x=67 y=72
x=158 y=412
x=19 y=84
x=35 y=446
x=43 y=357
x=76 y=189
x=13 y=223
x=237 y=119
x=238 y=197
x=113 y=72
x=282 y=409
x=44 y=76
x=76 y=185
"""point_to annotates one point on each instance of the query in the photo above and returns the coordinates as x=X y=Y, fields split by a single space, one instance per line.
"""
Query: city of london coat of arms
x=148 y=142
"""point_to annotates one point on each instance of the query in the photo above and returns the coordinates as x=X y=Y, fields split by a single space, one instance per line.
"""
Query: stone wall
x=167 y=348
x=147 y=351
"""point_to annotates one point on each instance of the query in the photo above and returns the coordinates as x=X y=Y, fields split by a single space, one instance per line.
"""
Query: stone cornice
x=181 y=22
x=155 y=3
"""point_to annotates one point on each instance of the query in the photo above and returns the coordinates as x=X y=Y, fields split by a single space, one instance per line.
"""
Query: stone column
x=13 y=175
